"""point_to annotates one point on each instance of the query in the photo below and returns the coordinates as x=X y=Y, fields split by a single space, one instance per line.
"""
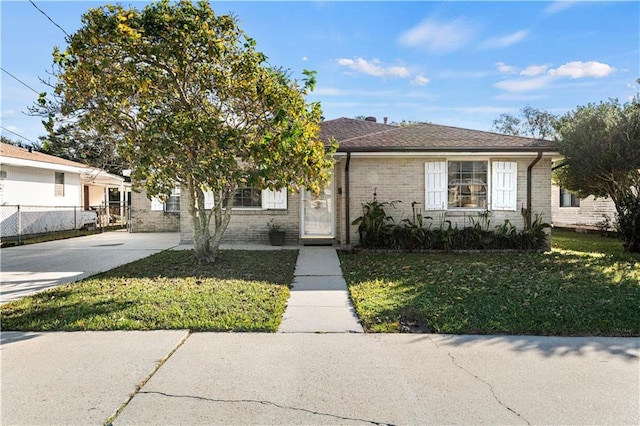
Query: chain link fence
x=23 y=220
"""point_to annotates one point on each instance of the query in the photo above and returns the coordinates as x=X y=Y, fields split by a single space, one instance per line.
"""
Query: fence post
x=19 y=226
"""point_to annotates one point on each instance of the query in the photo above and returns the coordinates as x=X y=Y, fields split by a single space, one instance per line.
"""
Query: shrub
x=377 y=231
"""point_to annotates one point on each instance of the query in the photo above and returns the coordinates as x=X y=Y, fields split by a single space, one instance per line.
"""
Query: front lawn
x=584 y=286
x=243 y=291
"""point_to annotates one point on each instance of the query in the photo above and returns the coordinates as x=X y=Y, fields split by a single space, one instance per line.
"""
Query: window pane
x=59 y=184
x=467 y=184
x=567 y=199
x=247 y=197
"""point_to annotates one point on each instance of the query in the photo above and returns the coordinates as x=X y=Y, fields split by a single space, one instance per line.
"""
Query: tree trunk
x=205 y=245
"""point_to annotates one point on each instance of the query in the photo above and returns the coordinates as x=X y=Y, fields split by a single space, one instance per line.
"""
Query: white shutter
x=435 y=184
x=504 y=180
x=274 y=200
x=208 y=200
x=156 y=204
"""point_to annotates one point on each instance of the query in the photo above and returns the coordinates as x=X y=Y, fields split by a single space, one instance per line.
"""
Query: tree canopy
x=188 y=100
x=601 y=148
x=530 y=122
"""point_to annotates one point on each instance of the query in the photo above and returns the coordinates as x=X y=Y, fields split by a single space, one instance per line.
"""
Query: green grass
x=584 y=286
x=243 y=291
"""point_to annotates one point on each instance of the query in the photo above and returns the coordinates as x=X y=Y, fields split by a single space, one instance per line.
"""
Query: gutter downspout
x=347 y=200
x=529 y=178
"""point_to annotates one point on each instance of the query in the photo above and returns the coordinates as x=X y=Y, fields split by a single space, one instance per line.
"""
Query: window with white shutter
x=504 y=180
x=435 y=185
x=157 y=204
x=274 y=200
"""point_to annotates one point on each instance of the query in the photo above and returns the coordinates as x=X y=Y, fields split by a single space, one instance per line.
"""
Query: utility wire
x=20 y=136
x=49 y=18
x=20 y=81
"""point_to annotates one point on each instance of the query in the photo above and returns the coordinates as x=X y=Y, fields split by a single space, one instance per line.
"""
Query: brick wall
x=249 y=224
x=403 y=178
x=143 y=219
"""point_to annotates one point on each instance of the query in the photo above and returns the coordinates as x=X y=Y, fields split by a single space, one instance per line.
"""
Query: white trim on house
x=443 y=155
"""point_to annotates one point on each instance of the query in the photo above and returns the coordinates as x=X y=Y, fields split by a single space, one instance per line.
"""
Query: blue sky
x=454 y=63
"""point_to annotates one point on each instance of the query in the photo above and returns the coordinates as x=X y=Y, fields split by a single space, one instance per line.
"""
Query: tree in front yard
x=601 y=148
x=188 y=100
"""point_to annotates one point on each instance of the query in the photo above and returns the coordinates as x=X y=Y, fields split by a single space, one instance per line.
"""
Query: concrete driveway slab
x=76 y=378
x=31 y=268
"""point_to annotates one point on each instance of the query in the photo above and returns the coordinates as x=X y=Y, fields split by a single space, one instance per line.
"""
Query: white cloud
x=374 y=68
x=533 y=70
x=438 y=37
x=7 y=113
x=505 y=69
x=524 y=84
x=305 y=59
x=420 y=80
x=505 y=41
x=578 y=69
x=558 y=6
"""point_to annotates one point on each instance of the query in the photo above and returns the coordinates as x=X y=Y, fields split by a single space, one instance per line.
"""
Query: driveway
x=31 y=268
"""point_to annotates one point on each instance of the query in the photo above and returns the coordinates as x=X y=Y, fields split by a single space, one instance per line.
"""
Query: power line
x=20 y=81
x=52 y=21
x=20 y=136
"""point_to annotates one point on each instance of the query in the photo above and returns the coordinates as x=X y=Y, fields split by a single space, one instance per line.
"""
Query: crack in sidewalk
x=489 y=385
x=109 y=421
x=270 y=403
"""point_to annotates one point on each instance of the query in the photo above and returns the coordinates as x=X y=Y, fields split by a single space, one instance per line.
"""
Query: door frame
x=333 y=215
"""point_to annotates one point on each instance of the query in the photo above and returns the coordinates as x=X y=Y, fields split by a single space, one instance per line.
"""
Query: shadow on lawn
x=271 y=266
x=549 y=294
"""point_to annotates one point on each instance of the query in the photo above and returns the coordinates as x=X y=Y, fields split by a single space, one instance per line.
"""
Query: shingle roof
x=358 y=135
x=11 y=151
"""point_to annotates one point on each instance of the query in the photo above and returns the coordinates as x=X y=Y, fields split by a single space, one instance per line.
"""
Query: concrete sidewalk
x=173 y=377
x=319 y=300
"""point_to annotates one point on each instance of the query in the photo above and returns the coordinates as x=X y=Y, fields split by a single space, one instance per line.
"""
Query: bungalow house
x=42 y=193
x=452 y=173
x=570 y=211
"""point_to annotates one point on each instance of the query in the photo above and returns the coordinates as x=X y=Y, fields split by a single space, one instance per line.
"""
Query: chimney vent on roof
x=385 y=119
x=372 y=119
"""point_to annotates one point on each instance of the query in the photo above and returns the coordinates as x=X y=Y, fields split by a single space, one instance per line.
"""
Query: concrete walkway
x=319 y=301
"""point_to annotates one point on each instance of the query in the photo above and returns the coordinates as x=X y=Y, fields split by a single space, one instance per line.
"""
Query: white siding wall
x=587 y=216
x=36 y=187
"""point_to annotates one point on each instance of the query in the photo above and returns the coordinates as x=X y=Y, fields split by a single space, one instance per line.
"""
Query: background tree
x=601 y=148
x=189 y=100
x=531 y=122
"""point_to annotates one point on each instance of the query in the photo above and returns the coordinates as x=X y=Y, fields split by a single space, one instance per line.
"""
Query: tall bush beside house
x=188 y=100
x=601 y=148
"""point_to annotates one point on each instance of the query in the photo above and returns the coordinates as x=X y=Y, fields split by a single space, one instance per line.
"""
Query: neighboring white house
x=43 y=193
x=570 y=211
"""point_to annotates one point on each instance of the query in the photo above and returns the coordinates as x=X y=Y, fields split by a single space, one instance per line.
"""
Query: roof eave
x=388 y=149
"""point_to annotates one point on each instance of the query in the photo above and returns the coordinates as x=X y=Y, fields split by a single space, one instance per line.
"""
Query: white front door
x=317 y=214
